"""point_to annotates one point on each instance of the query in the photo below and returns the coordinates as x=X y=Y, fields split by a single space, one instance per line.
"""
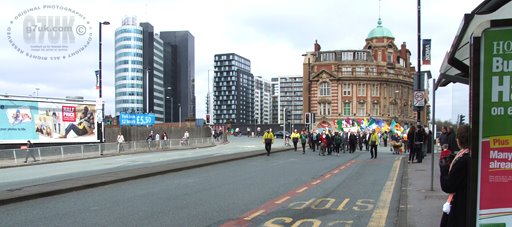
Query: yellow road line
x=380 y=214
x=282 y=200
x=302 y=189
x=316 y=182
x=254 y=215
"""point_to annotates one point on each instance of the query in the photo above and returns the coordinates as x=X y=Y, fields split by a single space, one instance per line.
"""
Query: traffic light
x=208 y=119
x=312 y=118
x=461 y=119
x=307 y=118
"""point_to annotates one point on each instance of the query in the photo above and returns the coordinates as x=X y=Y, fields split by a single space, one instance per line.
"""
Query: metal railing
x=12 y=157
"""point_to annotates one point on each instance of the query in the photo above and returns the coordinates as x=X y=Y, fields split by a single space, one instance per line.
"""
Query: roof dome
x=380 y=31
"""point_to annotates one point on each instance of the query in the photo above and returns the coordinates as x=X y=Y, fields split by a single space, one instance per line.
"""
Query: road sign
x=419 y=98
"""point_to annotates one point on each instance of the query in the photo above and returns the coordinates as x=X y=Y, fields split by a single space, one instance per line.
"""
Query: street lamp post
x=179 y=107
x=101 y=135
x=37 y=92
x=170 y=96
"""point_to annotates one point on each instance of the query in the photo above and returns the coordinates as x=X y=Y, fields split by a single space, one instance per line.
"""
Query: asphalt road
x=284 y=189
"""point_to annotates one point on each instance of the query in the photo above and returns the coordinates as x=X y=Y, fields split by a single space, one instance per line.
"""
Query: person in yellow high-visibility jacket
x=268 y=140
x=295 y=138
x=374 y=141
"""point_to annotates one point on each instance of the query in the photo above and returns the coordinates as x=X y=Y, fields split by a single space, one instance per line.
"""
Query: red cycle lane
x=268 y=207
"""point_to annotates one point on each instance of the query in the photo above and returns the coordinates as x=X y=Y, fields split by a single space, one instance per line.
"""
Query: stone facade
x=376 y=81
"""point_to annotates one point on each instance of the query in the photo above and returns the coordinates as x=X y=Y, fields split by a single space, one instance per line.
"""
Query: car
x=279 y=134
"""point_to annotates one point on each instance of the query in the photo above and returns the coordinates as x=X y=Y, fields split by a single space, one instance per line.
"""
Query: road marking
x=254 y=215
x=271 y=205
x=335 y=171
x=302 y=189
x=282 y=200
x=380 y=214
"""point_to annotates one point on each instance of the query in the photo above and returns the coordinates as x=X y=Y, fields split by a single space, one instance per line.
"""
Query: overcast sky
x=273 y=34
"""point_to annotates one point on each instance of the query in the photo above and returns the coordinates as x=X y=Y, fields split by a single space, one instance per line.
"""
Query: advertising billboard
x=495 y=163
x=46 y=121
x=127 y=119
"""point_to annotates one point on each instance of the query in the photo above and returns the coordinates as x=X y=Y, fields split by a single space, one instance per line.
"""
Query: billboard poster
x=46 y=122
x=495 y=164
x=127 y=119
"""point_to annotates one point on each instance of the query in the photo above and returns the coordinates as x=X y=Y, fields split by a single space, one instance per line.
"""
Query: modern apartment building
x=262 y=100
x=287 y=99
x=233 y=90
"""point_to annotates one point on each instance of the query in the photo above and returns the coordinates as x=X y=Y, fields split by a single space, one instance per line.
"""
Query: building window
x=361 y=89
x=375 y=90
x=325 y=89
x=347 y=89
x=361 y=109
x=360 y=70
x=375 y=109
x=392 y=110
x=325 y=109
x=346 y=109
x=390 y=58
x=346 y=70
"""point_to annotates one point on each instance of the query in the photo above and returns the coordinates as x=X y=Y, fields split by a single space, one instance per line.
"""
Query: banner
x=425 y=54
x=97 y=79
x=495 y=147
x=54 y=121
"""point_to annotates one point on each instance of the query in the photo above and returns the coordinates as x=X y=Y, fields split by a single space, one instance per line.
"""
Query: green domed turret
x=380 y=31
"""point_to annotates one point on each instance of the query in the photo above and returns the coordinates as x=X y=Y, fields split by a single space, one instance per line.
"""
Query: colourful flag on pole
x=392 y=126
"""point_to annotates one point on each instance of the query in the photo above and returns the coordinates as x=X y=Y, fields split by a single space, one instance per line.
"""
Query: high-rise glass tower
x=129 y=77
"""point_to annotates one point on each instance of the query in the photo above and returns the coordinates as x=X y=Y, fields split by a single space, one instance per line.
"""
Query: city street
x=284 y=189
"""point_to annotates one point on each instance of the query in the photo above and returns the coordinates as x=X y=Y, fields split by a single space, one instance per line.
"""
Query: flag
x=97 y=79
x=340 y=125
x=372 y=121
x=392 y=126
x=365 y=121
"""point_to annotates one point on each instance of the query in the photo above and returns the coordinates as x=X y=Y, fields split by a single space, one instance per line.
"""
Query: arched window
x=325 y=89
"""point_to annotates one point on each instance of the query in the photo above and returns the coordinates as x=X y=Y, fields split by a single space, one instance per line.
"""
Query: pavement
x=419 y=204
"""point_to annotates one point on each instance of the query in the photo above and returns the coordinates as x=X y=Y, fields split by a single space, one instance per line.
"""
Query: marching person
x=295 y=138
x=303 y=140
x=268 y=140
x=374 y=141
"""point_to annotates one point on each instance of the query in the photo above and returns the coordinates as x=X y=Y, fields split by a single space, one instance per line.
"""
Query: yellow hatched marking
x=316 y=182
x=282 y=200
x=302 y=189
x=254 y=215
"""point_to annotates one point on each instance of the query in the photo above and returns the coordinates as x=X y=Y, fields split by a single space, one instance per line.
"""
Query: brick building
x=376 y=81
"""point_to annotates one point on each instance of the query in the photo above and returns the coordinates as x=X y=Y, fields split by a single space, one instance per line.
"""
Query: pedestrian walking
x=303 y=140
x=30 y=151
x=165 y=138
x=337 y=143
x=295 y=138
x=419 y=140
x=120 y=141
x=150 y=139
x=374 y=141
x=157 y=139
x=268 y=140
x=454 y=180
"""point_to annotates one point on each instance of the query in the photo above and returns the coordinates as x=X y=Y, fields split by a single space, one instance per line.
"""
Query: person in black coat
x=454 y=180
x=419 y=142
x=352 y=140
x=410 y=141
x=451 y=140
